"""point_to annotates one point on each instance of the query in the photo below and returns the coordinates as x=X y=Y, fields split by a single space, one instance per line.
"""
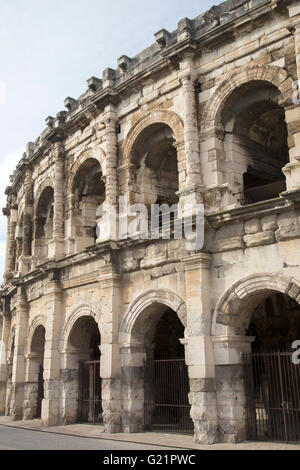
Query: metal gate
x=166 y=397
x=272 y=386
x=40 y=393
x=90 y=403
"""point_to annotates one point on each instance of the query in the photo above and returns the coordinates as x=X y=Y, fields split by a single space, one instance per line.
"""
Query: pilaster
x=59 y=202
x=228 y=351
x=51 y=401
x=110 y=370
x=18 y=369
x=199 y=349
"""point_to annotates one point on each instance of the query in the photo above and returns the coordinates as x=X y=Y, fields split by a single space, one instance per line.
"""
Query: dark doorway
x=85 y=338
x=272 y=378
x=90 y=407
x=36 y=368
x=166 y=380
x=40 y=394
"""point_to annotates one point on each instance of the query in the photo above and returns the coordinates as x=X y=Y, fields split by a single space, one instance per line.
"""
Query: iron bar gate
x=272 y=387
x=90 y=400
x=40 y=392
x=166 y=396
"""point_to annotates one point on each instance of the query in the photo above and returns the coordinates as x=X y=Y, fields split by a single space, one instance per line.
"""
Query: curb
x=95 y=437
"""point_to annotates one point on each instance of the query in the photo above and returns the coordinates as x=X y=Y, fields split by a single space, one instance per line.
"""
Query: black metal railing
x=166 y=397
x=90 y=399
x=272 y=385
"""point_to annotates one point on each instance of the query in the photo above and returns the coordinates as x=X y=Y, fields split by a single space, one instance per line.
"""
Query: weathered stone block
x=252 y=226
x=234 y=243
x=269 y=223
x=258 y=239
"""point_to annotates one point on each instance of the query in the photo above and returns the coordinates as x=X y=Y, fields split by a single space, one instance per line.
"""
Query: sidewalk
x=159 y=439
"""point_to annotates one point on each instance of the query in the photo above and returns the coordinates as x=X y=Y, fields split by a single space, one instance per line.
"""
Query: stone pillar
x=221 y=188
x=191 y=132
x=6 y=212
x=57 y=250
x=31 y=387
x=53 y=315
x=25 y=261
x=18 y=369
x=27 y=221
x=107 y=224
x=188 y=152
x=199 y=349
x=228 y=350
x=11 y=242
x=292 y=109
x=133 y=360
x=6 y=324
x=110 y=370
x=111 y=187
x=70 y=226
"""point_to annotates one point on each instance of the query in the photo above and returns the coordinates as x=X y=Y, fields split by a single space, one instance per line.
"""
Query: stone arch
x=80 y=311
x=163 y=116
x=155 y=296
x=268 y=73
x=94 y=153
x=236 y=302
x=37 y=194
x=37 y=321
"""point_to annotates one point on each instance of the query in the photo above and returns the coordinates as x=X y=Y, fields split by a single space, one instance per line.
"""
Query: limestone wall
x=191 y=88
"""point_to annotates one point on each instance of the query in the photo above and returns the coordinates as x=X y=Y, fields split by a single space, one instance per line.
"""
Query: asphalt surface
x=24 y=439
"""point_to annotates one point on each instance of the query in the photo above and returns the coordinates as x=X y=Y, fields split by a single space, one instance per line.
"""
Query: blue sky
x=49 y=48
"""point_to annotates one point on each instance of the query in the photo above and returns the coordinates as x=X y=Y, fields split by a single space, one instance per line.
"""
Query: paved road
x=23 y=439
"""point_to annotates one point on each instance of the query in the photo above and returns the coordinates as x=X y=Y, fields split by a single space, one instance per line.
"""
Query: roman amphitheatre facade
x=139 y=334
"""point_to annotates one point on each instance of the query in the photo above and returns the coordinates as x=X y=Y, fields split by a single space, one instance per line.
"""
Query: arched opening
x=44 y=224
x=163 y=376
x=275 y=322
x=89 y=193
x=255 y=142
x=83 y=382
x=34 y=388
x=272 y=378
x=155 y=159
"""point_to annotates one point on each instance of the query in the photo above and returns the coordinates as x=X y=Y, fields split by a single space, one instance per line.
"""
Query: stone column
x=111 y=187
x=133 y=360
x=57 y=250
x=53 y=315
x=189 y=167
x=110 y=370
x=228 y=350
x=6 y=212
x=191 y=132
x=70 y=226
x=199 y=349
x=27 y=221
x=6 y=324
x=292 y=109
x=11 y=242
x=18 y=369
x=108 y=220
x=24 y=265
x=31 y=386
